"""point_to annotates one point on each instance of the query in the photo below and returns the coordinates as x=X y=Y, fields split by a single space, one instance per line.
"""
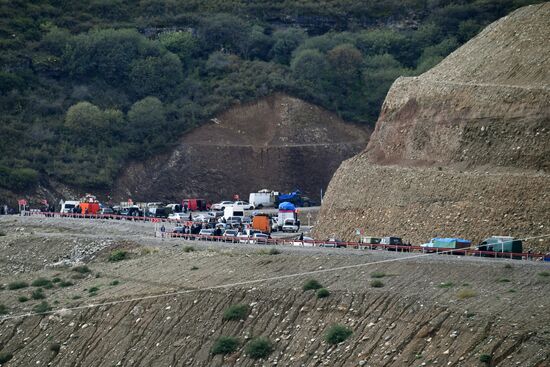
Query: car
x=206 y=233
x=260 y=238
x=289 y=225
x=392 y=241
x=307 y=242
x=107 y=211
x=242 y=205
x=179 y=230
x=243 y=237
x=230 y=235
x=221 y=205
x=333 y=242
x=178 y=216
x=234 y=221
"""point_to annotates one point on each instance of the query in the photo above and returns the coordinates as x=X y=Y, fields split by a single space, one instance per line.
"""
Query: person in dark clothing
x=190 y=217
x=298 y=223
x=218 y=232
x=302 y=236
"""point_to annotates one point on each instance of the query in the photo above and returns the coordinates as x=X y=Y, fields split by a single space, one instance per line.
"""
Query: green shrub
x=65 y=283
x=41 y=282
x=115 y=282
x=194 y=267
x=311 y=284
x=466 y=293
x=337 y=334
x=504 y=280
x=118 y=255
x=508 y=266
x=17 y=285
x=544 y=274
x=376 y=284
x=2 y=233
x=446 y=285
x=322 y=293
x=56 y=280
x=225 y=345
x=378 y=274
x=55 y=347
x=274 y=251
x=76 y=296
x=23 y=299
x=38 y=294
x=3 y=309
x=236 y=312
x=42 y=307
x=82 y=269
x=93 y=289
x=485 y=358
x=78 y=276
x=259 y=348
x=188 y=249
x=5 y=357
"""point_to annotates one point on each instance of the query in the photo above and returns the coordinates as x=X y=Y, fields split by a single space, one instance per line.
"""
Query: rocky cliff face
x=279 y=143
x=461 y=150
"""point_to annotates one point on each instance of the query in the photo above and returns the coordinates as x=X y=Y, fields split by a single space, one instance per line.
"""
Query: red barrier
x=292 y=242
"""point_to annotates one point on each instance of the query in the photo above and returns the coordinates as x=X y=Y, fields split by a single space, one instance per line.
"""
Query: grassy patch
x=337 y=334
x=508 y=266
x=466 y=293
x=65 y=283
x=503 y=280
x=236 y=312
x=3 y=309
x=42 y=282
x=259 y=348
x=323 y=293
x=5 y=357
x=82 y=269
x=188 y=249
x=76 y=296
x=93 y=289
x=274 y=251
x=311 y=284
x=2 y=233
x=544 y=274
x=511 y=291
x=376 y=284
x=118 y=255
x=38 y=294
x=194 y=267
x=377 y=274
x=485 y=358
x=23 y=299
x=42 y=307
x=225 y=345
x=56 y=280
x=17 y=285
x=446 y=285
x=114 y=282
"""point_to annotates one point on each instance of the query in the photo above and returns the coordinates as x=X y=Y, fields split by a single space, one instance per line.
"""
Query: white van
x=68 y=206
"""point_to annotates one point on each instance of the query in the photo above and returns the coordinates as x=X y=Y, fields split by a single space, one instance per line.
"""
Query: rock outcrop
x=279 y=142
x=463 y=149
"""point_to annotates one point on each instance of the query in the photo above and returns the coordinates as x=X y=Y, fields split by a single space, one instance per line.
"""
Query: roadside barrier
x=294 y=242
x=355 y=245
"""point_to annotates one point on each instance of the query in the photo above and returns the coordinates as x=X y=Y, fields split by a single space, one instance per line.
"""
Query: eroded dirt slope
x=462 y=150
x=418 y=316
x=279 y=142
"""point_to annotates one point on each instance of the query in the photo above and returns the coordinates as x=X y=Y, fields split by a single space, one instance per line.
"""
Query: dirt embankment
x=434 y=310
x=460 y=150
x=279 y=142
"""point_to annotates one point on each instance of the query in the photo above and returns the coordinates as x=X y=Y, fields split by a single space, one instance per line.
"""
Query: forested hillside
x=87 y=85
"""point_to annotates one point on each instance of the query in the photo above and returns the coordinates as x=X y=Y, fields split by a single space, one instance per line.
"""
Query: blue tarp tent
x=291 y=196
x=286 y=206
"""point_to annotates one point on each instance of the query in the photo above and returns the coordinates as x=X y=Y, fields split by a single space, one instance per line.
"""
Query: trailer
x=262 y=222
x=501 y=244
x=446 y=243
x=263 y=198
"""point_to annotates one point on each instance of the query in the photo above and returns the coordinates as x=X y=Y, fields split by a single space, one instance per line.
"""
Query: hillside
x=88 y=87
x=169 y=303
x=278 y=142
x=461 y=150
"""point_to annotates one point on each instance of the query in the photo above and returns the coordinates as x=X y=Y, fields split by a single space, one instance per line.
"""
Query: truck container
x=195 y=204
x=263 y=198
x=262 y=222
x=286 y=211
x=446 y=243
x=501 y=244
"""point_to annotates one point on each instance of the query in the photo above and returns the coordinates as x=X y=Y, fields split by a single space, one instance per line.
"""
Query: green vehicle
x=501 y=244
x=446 y=244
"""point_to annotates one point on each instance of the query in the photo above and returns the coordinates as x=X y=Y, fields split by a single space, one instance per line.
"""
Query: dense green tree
x=310 y=66
x=286 y=41
x=83 y=121
x=146 y=119
x=181 y=43
x=223 y=32
x=156 y=76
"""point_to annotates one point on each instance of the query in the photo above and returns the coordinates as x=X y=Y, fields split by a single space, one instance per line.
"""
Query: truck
x=195 y=204
x=286 y=211
x=295 y=198
x=68 y=206
x=262 y=222
x=263 y=198
x=232 y=212
x=445 y=243
x=501 y=244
